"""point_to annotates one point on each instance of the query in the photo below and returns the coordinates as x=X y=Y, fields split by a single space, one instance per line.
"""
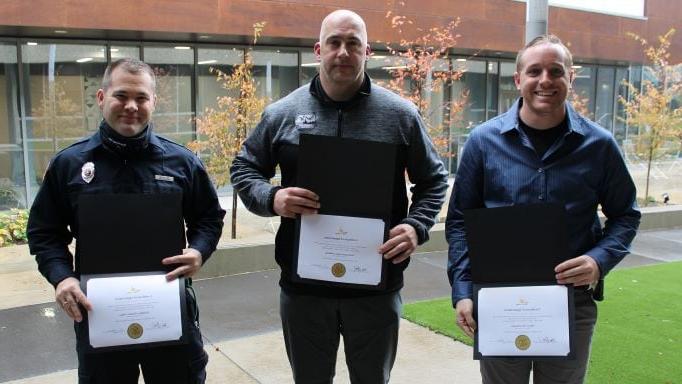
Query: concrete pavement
x=240 y=323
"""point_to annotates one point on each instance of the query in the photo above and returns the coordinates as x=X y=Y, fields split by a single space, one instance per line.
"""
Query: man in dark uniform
x=125 y=156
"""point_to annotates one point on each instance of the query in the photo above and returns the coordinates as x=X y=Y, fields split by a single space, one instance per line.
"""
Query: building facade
x=53 y=55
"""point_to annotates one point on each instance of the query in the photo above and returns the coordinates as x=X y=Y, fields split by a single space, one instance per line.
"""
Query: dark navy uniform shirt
x=162 y=167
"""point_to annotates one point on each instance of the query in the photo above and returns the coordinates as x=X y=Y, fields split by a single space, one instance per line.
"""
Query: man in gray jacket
x=341 y=102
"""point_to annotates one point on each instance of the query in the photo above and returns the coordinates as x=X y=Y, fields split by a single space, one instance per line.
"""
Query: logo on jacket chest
x=306 y=120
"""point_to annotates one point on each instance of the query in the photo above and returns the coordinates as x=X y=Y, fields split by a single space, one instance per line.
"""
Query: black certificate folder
x=353 y=178
x=350 y=176
x=124 y=233
x=520 y=243
x=518 y=247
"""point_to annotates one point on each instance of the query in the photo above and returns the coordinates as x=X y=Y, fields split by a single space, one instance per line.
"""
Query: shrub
x=13 y=227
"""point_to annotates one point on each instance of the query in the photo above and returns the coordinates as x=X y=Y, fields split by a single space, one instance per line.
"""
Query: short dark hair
x=130 y=65
x=545 y=39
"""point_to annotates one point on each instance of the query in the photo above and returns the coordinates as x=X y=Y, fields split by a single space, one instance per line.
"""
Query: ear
x=571 y=78
x=368 y=51
x=316 y=50
x=100 y=98
x=517 y=80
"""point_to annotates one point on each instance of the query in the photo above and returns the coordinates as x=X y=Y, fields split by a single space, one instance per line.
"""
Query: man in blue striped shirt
x=542 y=150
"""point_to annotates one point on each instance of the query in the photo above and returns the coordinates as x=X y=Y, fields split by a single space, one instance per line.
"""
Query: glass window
x=507 y=88
x=582 y=96
x=309 y=67
x=12 y=182
x=123 y=51
x=471 y=85
x=605 y=94
x=275 y=72
x=491 y=93
x=61 y=83
x=208 y=88
x=636 y=81
x=620 y=126
x=174 y=66
x=381 y=64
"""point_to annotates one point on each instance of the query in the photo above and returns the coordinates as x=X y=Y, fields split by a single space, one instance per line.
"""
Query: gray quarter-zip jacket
x=375 y=114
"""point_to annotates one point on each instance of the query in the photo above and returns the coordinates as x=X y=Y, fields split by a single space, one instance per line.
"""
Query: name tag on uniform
x=164 y=178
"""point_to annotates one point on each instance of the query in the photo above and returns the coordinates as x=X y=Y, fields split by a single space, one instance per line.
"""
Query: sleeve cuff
x=422 y=233
x=462 y=290
x=271 y=200
x=204 y=249
x=601 y=257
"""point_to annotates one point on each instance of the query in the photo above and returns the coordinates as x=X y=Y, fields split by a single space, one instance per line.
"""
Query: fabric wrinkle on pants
x=312 y=327
x=517 y=371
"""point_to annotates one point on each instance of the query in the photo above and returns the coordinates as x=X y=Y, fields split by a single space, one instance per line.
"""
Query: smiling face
x=342 y=52
x=543 y=79
x=127 y=103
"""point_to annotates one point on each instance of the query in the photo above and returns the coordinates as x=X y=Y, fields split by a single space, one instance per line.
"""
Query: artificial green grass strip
x=438 y=316
x=638 y=338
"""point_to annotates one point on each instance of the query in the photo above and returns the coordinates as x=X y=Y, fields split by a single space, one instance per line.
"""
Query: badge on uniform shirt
x=88 y=172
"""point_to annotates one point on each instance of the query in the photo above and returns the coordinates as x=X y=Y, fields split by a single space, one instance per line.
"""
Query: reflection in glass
x=309 y=67
x=275 y=72
x=122 y=51
x=507 y=88
x=605 y=93
x=620 y=127
x=583 y=90
x=491 y=93
x=208 y=88
x=12 y=183
x=61 y=83
x=174 y=68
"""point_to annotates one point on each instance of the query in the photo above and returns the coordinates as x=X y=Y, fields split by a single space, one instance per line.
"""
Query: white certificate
x=133 y=310
x=523 y=321
x=341 y=249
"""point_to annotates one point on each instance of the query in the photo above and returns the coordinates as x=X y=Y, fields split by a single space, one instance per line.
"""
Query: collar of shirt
x=511 y=119
x=318 y=92
x=95 y=141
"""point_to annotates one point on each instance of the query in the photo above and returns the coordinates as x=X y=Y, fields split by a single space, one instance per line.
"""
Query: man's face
x=342 y=51
x=127 y=105
x=544 y=80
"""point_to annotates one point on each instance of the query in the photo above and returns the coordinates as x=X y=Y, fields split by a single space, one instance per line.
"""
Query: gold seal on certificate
x=338 y=270
x=135 y=331
x=522 y=342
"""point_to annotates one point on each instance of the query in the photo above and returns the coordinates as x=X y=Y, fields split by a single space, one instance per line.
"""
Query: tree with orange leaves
x=655 y=109
x=423 y=68
x=221 y=131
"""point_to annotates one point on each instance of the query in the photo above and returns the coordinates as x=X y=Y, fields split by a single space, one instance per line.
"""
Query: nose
x=343 y=51
x=131 y=106
x=545 y=78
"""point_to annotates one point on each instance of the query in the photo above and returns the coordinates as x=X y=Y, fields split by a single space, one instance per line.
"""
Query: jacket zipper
x=339 y=129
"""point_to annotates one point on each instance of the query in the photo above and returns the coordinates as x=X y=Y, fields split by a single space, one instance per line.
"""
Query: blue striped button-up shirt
x=581 y=170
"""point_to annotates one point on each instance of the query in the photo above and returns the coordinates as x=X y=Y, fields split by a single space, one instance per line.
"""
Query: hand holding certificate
x=133 y=310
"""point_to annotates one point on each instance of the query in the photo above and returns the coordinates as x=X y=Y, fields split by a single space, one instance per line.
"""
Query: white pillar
x=536 y=18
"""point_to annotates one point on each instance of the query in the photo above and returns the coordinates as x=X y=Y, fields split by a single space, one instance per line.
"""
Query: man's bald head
x=343 y=15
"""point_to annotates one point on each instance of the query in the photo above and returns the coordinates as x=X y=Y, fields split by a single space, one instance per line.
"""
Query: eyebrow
x=346 y=37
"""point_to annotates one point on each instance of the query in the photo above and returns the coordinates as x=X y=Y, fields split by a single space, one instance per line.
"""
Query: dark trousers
x=173 y=364
x=517 y=371
x=369 y=326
